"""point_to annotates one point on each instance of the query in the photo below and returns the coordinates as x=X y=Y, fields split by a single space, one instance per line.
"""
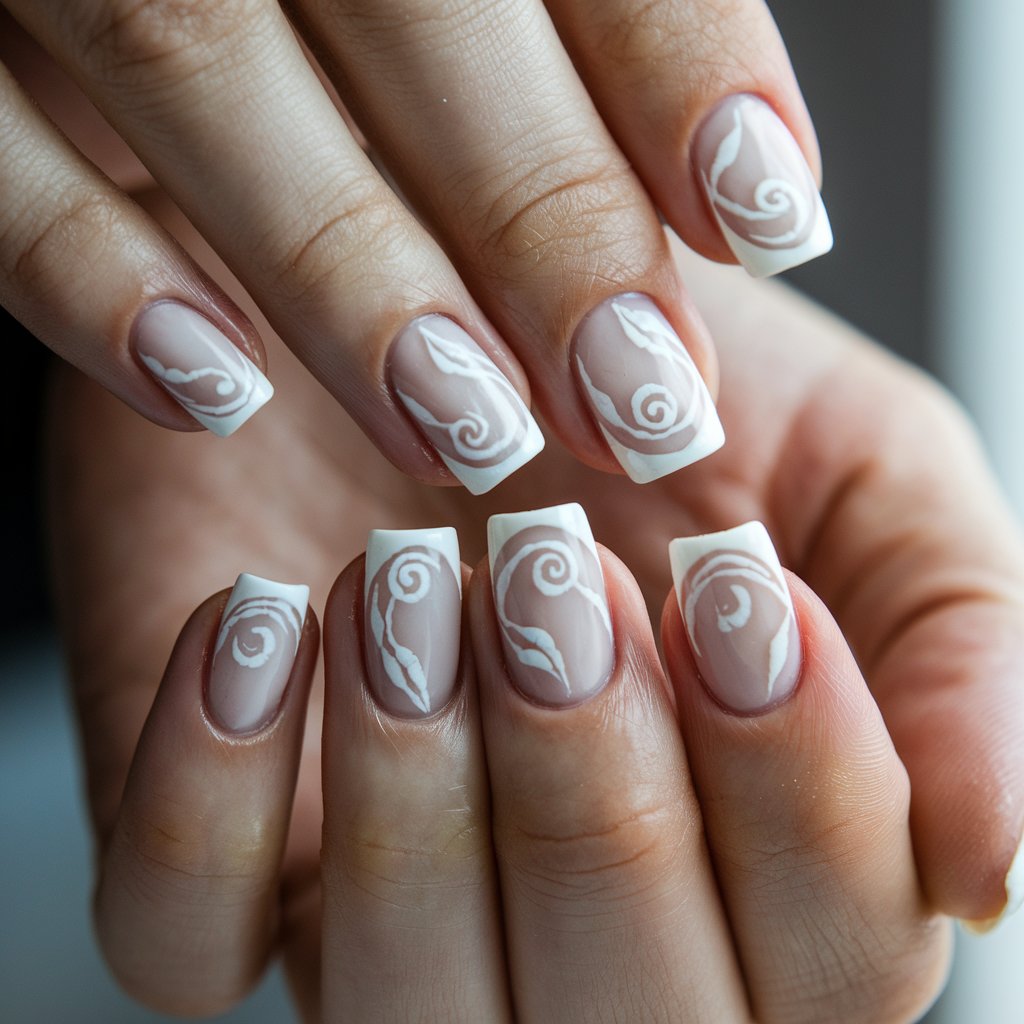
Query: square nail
x=738 y=615
x=254 y=652
x=413 y=618
x=759 y=187
x=464 y=405
x=643 y=389
x=550 y=599
x=199 y=367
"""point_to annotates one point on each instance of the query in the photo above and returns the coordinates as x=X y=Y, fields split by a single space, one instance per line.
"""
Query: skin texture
x=526 y=195
x=866 y=475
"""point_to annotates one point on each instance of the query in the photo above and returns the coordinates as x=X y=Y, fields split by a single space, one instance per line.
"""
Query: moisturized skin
x=738 y=616
x=462 y=402
x=254 y=652
x=200 y=368
x=551 y=604
x=644 y=390
x=760 y=188
x=413 y=595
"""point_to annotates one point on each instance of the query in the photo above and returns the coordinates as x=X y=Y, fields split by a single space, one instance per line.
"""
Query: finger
x=804 y=799
x=611 y=908
x=511 y=165
x=701 y=97
x=97 y=281
x=411 y=919
x=187 y=902
x=232 y=120
x=912 y=547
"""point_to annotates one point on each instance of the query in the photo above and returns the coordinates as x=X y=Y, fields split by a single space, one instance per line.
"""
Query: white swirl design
x=409 y=579
x=653 y=406
x=258 y=627
x=231 y=377
x=475 y=437
x=747 y=572
x=789 y=203
x=555 y=571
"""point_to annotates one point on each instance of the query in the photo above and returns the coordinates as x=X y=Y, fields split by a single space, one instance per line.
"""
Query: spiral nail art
x=255 y=649
x=413 y=610
x=738 y=616
x=551 y=605
x=649 y=401
x=760 y=188
x=464 y=405
x=199 y=367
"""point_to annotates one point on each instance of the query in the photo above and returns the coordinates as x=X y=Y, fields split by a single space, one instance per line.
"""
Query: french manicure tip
x=1014 y=898
x=738 y=616
x=481 y=480
x=255 y=649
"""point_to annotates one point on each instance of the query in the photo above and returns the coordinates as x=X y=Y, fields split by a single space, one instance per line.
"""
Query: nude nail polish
x=759 y=187
x=643 y=389
x=464 y=405
x=199 y=367
x=550 y=600
x=413 y=601
x=255 y=651
x=738 y=616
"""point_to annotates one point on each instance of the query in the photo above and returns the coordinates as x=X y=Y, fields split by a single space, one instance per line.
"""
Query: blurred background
x=917 y=108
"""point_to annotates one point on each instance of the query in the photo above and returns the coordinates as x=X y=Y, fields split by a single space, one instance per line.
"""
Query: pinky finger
x=186 y=906
x=84 y=269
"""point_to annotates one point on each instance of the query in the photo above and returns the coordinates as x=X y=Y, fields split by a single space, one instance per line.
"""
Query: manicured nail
x=466 y=407
x=255 y=650
x=738 y=615
x=644 y=390
x=413 y=595
x=760 y=188
x=1014 y=898
x=197 y=365
x=551 y=603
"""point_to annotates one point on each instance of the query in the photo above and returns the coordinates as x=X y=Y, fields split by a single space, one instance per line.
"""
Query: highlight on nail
x=759 y=187
x=738 y=615
x=413 y=614
x=256 y=645
x=464 y=405
x=644 y=391
x=551 y=604
x=199 y=367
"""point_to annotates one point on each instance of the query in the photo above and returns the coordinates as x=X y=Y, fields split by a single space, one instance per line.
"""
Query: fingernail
x=461 y=401
x=551 y=603
x=644 y=390
x=413 y=596
x=738 y=616
x=1014 y=898
x=760 y=188
x=255 y=650
x=199 y=367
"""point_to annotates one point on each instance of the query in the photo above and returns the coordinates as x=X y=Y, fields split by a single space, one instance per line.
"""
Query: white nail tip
x=760 y=189
x=481 y=479
x=1014 y=898
x=645 y=469
x=570 y=517
x=385 y=544
x=248 y=586
x=209 y=376
x=751 y=537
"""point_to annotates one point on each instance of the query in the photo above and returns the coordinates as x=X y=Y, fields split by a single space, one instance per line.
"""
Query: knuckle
x=354 y=232
x=579 y=208
x=41 y=253
x=611 y=859
x=122 y=40
x=417 y=864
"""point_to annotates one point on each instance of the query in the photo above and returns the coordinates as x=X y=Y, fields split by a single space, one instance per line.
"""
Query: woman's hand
x=533 y=146
x=876 y=495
